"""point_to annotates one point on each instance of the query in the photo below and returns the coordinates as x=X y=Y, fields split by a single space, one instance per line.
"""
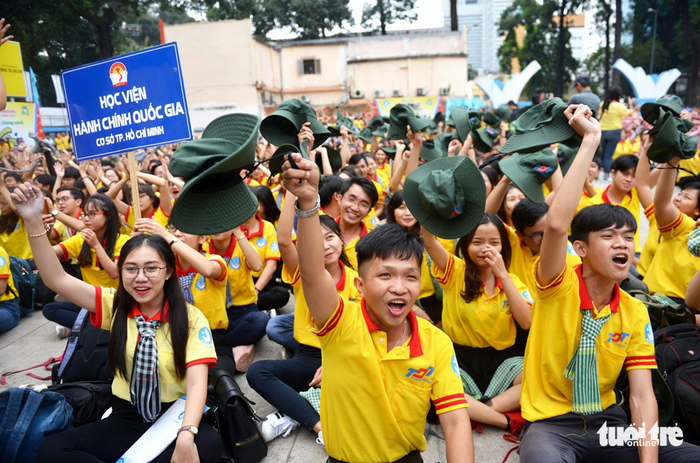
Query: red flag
x=39 y=126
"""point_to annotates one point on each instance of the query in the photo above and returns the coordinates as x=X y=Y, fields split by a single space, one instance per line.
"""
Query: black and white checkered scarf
x=145 y=381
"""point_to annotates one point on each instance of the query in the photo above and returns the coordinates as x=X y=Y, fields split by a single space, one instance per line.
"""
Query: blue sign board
x=126 y=103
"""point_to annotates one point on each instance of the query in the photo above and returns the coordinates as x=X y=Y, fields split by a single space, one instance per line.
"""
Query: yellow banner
x=423 y=106
x=12 y=70
x=16 y=122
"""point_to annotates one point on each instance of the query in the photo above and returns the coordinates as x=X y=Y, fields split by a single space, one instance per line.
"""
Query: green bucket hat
x=215 y=198
x=389 y=150
x=432 y=129
x=282 y=126
x=402 y=116
x=366 y=135
x=670 y=139
x=503 y=112
x=381 y=131
x=672 y=103
x=377 y=122
x=529 y=172
x=450 y=122
x=447 y=196
x=342 y=121
x=541 y=126
x=483 y=139
x=462 y=122
x=492 y=119
x=333 y=157
x=277 y=159
x=431 y=151
x=566 y=152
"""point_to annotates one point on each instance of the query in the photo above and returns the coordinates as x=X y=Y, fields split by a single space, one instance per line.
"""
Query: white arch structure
x=647 y=87
x=501 y=93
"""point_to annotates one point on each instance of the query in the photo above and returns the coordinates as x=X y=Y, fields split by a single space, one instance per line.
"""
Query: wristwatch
x=175 y=240
x=190 y=428
x=54 y=212
x=310 y=212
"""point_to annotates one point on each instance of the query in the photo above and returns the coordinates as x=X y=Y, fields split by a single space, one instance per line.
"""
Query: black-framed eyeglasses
x=535 y=237
x=149 y=272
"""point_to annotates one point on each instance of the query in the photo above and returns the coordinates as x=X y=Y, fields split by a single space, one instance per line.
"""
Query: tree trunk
x=559 y=91
x=608 y=13
x=104 y=40
x=694 y=42
x=617 y=53
x=382 y=15
x=454 y=25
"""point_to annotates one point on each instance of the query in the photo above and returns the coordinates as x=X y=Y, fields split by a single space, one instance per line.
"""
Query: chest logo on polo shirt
x=421 y=374
x=274 y=246
x=200 y=283
x=619 y=339
x=205 y=336
x=235 y=263
x=261 y=242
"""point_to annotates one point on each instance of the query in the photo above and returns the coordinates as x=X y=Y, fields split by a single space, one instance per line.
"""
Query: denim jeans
x=280 y=381
x=63 y=313
x=608 y=143
x=281 y=330
x=9 y=314
x=246 y=324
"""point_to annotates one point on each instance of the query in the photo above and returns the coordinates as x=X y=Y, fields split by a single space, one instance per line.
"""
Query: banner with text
x=126 y=103
x=17 y=121
x=12 y=70
x=423 y=106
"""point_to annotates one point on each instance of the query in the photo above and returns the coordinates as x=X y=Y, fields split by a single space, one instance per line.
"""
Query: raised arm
x=495 y=198
x=113 y=193
x=434 y=249
x=641 y=177
x=399 y=167
x=163 y=188
x=553 y=251
x=416 y=140
x=288 y=250
x=29 y=203
x=252 y=258
x=664 y=210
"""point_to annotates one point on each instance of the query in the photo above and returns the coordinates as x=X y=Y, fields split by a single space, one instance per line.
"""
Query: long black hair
x=123 y=302
x=615 y=93
x=265 y=197
x=331 y=225
x=472 y=277
x=101 y=203
x=394 y=203
x=9 y=222
x=145 y=188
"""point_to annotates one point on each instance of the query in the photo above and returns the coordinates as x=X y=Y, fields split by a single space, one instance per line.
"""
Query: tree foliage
x=383 y=12
x=540 y=43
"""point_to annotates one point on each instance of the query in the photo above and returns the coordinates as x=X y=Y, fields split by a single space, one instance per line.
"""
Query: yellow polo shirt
x=63 y=231
x=374 y=403
x=586 y=199
x=484 y=322
x=673 y=265
x=611 y=119
x=241 y=289
x=200 y=345
x=16 y=243
x=652 y=243
x=626 y=339
x=522 y=259
x=264 y=241
x=345 y=287
x=209 y=294
x=350 y=247
x=6 y=274
x=95 y=274
x=630 y=202
x=156 y=214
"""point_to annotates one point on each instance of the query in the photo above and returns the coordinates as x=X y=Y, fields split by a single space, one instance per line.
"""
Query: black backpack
x=85 y=357
x=678 y=358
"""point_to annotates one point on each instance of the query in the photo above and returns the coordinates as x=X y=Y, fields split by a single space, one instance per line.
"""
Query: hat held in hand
x=215 y=198
x=670 y=140
x=540 y=126
x=402 y=116
x=282 y=126
x=446 y=196
x=528 y=172
x=669 y=103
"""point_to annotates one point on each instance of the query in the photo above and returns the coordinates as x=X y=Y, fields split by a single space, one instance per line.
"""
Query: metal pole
x=653 y=42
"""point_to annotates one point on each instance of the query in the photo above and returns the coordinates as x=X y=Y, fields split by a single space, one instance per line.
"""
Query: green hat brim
x=650 y=110
x=334 y=158
x=492 y=119
x=566 y=153
x=283 y=126
x=277 y=160
x=389 y=150
x=522 y=178
x=670 y=141
x=544 y=133
x=468 y=177
x=430 y=151
x=481 y=141
x=461 y=123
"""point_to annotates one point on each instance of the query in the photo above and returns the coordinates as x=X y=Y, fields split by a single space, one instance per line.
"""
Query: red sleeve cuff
x=224 y=271
x=208 y=361
x=96 y=316
x=65 y=256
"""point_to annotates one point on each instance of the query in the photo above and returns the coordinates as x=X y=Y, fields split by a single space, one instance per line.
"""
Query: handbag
x=232 y=414
x=90 y=400
x=663 y=311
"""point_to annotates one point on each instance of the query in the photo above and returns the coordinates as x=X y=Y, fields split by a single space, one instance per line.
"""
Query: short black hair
x=76 y=193
x=491 y=173
x=693 y=186
x=356 y=158
x=389 y=240
x=625 y=162
x=47 y=180
x=526 y=214
x=330 y=184
x=367 y=186
x=599 y=162
x=15 y=175
x=583 y=79
x=599 y=217
x=71 y=172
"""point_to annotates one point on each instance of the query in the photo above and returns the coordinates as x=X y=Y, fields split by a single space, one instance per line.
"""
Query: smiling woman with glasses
x=152 y=328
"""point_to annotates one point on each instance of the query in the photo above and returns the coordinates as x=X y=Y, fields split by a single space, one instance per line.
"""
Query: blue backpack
x=25 y=283
x=27 y=418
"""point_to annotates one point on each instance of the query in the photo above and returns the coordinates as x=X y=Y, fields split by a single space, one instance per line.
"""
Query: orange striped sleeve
x=676 y=222
x=333 y=321
x=448 y=271
x=640 y=362
x=450 y=402
x=649 y=211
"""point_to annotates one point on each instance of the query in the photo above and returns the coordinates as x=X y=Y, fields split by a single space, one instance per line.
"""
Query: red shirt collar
x=341 y=283
x=161 y=316
x=606 y=199
x=499 y=285
x=261 y=226
x=228 y=252
x=182 y=273
x=363 y=226
x=586 y=303
x=414 y=344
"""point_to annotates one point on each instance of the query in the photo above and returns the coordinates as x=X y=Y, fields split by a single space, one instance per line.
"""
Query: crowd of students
x=419 y=280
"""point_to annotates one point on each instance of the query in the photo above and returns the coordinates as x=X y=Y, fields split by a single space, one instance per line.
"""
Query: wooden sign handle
x=134 y=184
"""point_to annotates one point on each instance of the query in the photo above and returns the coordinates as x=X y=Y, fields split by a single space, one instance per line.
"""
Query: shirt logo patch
x=235 y=263
x=205 y=336
x=200 y=283
x=274 y=246
x=649 y=333
x=619 y=339
x=2 y=261
x=570 y=249
x=374 y=221
x=527 y=296
x=261 y=242
x=422 y=374
x=455 y=366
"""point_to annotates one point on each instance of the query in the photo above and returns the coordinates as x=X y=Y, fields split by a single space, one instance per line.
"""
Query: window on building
x=309 y=66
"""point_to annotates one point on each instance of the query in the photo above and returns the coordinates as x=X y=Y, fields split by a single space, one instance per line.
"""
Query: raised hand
x=581 y=120
x=90 y=237
x=303 y=181
x=3 y=30
x=28 y=201
x=495 y=261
